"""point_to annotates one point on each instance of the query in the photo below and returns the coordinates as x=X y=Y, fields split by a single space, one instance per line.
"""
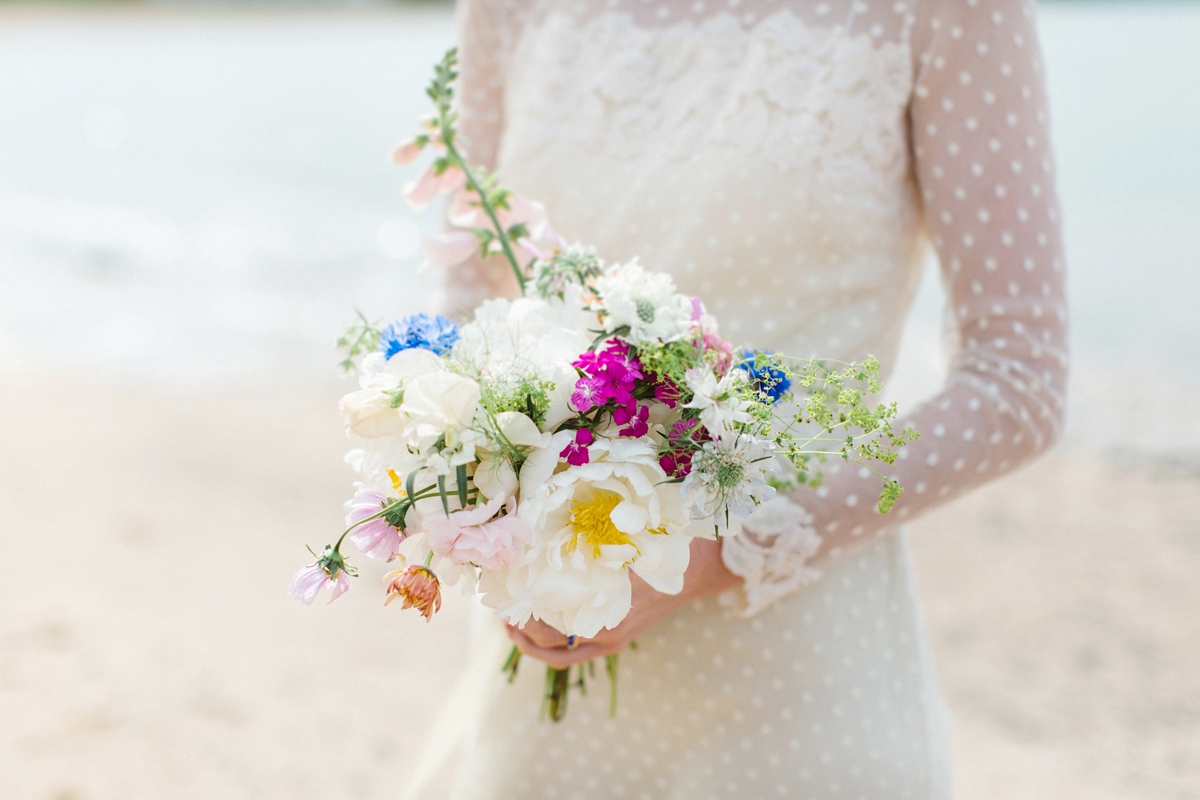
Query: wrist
x=707 y=574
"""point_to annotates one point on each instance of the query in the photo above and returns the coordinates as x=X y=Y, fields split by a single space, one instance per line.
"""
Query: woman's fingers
x=559 y=657
x=543 y=635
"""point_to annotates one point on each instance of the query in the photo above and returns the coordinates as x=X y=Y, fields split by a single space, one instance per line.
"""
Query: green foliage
x=833 y=418
x=528 y=395
x=672 y=359
x=575 y=266
x=359 y=339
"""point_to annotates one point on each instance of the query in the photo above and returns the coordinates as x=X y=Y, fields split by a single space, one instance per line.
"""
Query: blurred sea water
x=199 y=196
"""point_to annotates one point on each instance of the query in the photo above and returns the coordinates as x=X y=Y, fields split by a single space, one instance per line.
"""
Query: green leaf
x=460 y=477
x=442 y=494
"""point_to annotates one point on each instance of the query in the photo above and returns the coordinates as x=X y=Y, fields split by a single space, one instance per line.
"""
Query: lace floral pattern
x=795 y=94
x=771 y=555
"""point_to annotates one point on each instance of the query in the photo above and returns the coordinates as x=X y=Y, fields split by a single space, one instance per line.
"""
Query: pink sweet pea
x=471 y=536
x=718 y=351
x=376 y=539
x=429 y=185
x=310 y=580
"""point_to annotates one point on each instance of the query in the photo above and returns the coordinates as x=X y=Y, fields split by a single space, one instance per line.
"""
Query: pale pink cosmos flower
x=429 y=185
x=471 y=536
x=418 y=586
x=376 y=539
x=309 y=581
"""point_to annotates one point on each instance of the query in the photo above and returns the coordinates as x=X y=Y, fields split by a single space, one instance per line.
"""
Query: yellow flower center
x=592 y=521
x=396 y=482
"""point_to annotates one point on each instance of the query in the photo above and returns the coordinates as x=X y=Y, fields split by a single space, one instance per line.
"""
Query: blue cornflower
x=420 y=330
x=771 y=381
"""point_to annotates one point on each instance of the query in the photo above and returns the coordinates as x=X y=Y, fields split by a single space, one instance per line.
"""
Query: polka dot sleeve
x=979 y=139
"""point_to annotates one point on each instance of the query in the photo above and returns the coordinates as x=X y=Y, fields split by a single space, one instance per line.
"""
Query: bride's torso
x=760 y=156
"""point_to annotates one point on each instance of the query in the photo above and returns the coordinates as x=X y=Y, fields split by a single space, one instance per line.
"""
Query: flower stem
x=501 y=234
x=610 y=666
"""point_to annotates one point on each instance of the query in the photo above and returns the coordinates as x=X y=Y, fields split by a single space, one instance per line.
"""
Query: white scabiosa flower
x=720 y=404
x=729 y=477
x=591 y=524
x=645 y=302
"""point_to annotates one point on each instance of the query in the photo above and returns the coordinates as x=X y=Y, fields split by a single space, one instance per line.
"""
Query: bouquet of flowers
x=560 y=440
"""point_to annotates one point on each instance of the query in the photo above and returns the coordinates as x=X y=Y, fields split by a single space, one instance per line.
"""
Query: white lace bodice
x=790 y=161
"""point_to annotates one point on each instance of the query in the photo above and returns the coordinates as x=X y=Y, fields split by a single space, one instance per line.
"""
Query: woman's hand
x=706 y=575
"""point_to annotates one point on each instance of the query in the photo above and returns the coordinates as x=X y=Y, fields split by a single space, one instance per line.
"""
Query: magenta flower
x=636 y=423
x=668 y=393
x=683 y=438
x=309 y=581
x=576 y=453
x=590 y=392
x=609 y=375
x=376 y=539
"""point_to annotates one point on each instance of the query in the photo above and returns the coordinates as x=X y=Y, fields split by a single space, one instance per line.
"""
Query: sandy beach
x=150 y=649
x=169 y=439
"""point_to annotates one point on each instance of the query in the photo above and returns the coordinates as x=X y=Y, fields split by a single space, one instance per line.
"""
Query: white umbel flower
x=646 y=302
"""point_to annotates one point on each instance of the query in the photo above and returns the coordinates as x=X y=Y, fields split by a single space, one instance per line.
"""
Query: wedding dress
x=790 y=162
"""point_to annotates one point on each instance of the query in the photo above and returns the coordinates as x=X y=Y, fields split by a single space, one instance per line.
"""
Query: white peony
x=591 y=524
x=644 y=301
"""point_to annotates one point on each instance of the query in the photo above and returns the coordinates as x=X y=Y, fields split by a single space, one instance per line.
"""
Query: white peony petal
x=629 y=518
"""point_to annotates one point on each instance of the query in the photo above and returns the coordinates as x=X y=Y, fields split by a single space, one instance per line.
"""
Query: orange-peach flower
x=418 y=587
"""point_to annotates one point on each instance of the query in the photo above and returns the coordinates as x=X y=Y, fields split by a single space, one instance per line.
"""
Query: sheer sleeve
x=982 y=160
x=483 y=34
